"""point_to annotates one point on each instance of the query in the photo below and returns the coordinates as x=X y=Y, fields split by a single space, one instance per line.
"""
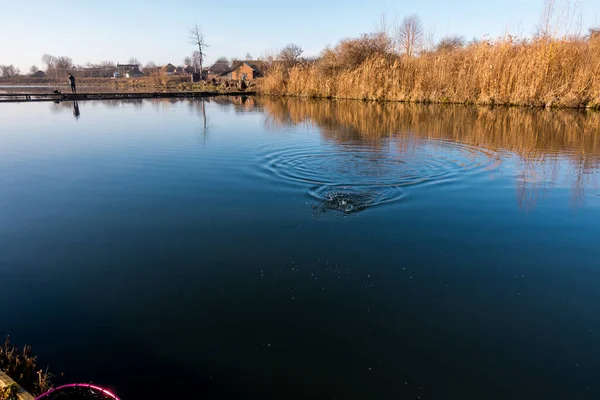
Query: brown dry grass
x=551 y=73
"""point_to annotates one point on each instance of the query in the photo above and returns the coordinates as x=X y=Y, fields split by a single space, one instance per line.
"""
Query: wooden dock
x=6 y=381
x=31 y=97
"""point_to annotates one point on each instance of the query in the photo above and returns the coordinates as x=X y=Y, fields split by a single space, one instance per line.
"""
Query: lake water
x=285 y=249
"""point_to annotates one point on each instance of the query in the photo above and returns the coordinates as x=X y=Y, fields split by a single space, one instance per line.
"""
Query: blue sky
x=112 y=30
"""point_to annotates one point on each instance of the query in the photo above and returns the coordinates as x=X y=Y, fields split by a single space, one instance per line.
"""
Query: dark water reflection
x=264 y=249
x=550 y=147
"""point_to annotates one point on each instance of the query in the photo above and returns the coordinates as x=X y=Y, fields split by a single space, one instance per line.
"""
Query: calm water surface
x=268 y=249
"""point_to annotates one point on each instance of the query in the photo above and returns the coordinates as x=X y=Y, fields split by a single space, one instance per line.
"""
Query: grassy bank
x=547 y=73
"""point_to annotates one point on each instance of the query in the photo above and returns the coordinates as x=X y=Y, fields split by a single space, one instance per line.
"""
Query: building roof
x=256 y=65
x=128 y=66
x=219 y=68
x=169 y=66
x=135 y=72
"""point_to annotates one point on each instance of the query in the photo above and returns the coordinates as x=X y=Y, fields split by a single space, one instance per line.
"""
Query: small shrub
x=21 y=366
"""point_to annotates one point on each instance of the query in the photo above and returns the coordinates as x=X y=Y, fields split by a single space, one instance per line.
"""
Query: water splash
x=352 y=177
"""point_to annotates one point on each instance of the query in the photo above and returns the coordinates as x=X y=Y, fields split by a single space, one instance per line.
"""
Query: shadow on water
x=432 y=144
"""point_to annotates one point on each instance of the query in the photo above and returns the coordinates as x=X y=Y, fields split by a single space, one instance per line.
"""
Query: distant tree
x=290 y=54
x=106 y=65
x=248 y=56
x=450 y=43
x=134 y=61
x=196 y=60
x=64 y=63
x=222 y=59
x=49 y=61
x=149 y=68
x=350 y=53
x=187 y=60
x=9 y=71
x=33 y=69
x=410 y=35
x=559 y=17
x=197 y=38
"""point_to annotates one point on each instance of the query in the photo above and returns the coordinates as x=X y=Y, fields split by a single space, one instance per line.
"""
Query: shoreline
x=45 y=97
x=166 y=93
x=595 y=108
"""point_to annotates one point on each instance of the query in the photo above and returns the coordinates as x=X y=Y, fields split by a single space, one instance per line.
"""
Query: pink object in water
x=79 y=385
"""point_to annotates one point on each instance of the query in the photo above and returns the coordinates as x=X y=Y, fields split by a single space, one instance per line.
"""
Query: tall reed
x=550 y=73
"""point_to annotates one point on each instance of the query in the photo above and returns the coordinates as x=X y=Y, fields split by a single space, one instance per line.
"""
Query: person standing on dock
x=72 y=80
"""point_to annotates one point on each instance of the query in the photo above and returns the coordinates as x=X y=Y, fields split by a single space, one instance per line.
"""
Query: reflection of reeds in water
x=543 y=140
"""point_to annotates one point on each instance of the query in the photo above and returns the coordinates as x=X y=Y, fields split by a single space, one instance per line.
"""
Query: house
x=247 y=70
x=39 y=74
x=185 y=70
x=168 y=69
x=219 y=69
x=134 y=73
x=123 y=69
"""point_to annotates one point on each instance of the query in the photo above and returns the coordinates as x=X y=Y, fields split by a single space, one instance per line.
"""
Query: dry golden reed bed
x=544 y=72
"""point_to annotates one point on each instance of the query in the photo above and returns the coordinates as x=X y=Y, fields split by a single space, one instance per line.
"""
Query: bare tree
x=450 y=43
x=248 y=56
x=196 y=60
x=64 y=63
x=197 y=38
x=33 y=69
x=410 y=34
x=149 y=68
x=290 y=54
x=187 y=60
x=9 y=71
x=350 y=53
x=545 y=28
x=105 y=65
x=48 y=60
x=222 y=59
x=134 y=61
x=382 y=26
x=560 y=17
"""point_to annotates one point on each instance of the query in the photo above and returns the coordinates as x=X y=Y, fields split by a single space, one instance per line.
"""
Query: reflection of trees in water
x=237 y=103
x=198 y=107
x=119 y=103
x=545 y=142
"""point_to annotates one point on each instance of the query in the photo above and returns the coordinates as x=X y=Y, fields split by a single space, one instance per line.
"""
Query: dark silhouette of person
x=76 y=112
x=72 y=80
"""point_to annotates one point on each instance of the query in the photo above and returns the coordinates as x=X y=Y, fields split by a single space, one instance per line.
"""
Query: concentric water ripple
x=351 y=177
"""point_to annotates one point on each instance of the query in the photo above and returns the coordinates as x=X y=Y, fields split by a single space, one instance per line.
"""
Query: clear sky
x=115 y=30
